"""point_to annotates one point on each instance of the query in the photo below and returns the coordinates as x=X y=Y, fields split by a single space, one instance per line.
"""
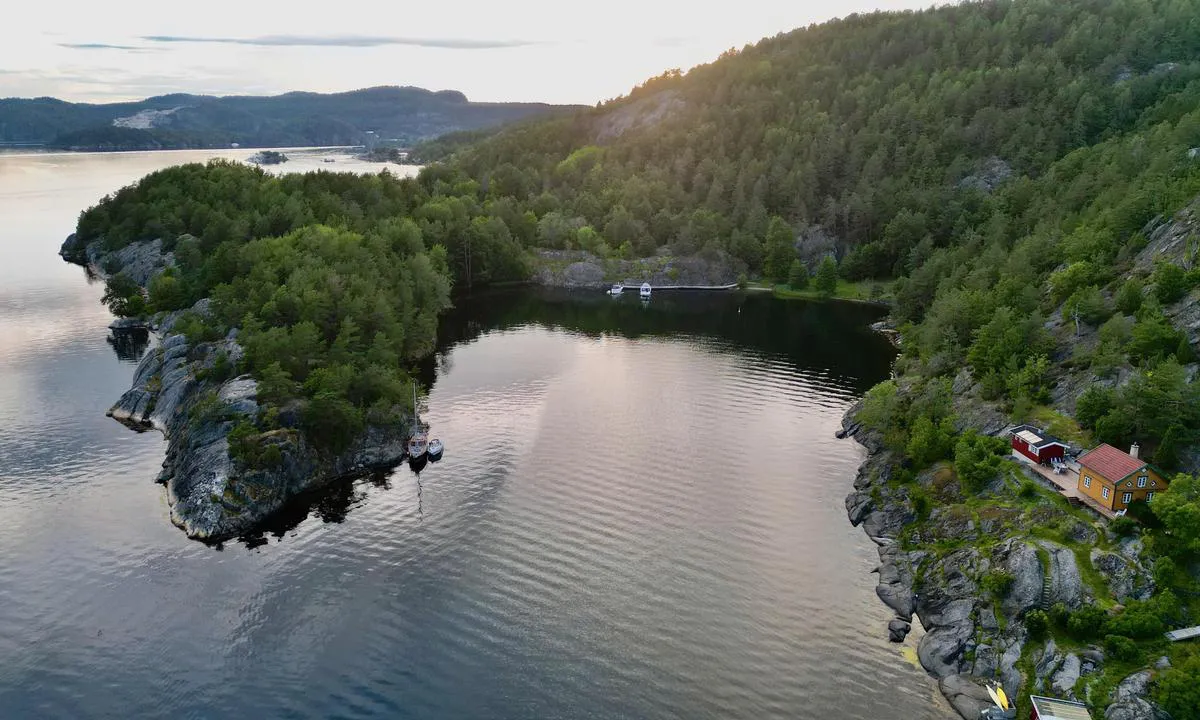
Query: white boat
x=616 y=289
x=418 y=442
x=435 y=449
x=645 y=291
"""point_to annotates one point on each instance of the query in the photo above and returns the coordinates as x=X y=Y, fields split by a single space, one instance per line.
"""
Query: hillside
x=1024 y=176
x=402 y=114
x=1020 y=175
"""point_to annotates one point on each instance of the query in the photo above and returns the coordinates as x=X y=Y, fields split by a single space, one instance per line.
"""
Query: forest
x=999 y=165
x=332 y=290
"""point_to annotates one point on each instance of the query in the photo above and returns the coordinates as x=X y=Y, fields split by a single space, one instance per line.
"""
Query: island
x=1017 y=181
x=267 y=157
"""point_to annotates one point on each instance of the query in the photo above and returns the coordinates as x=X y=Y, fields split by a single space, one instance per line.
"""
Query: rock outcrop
x=183 y=390
x=578 y=269
x=1130 y=703
x=1126 y=579
x=141 y=261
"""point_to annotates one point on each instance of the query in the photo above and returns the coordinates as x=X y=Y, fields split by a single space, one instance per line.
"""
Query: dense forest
x=403 y=115
x=331 y=288
x=998 y=165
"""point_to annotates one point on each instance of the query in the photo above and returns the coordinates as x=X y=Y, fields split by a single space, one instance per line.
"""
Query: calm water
x=639 y=515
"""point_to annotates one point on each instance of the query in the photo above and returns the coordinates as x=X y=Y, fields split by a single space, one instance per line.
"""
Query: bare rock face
x=895 y=586
x=1126 y=579
x=1130 y=703
x=646 y=112
x=1020 y=559
x=990 y=175
x=946 y=601
x=1066 y=585
x=967 y=696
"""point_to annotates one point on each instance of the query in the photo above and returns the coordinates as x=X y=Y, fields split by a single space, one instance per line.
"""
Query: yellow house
x=1115 y=479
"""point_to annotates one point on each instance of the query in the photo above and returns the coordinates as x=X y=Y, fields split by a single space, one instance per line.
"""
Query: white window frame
x=1149 y=496
x=1104 y=493
x=1142 y=481
x=1087 y=481
x=1126 y=498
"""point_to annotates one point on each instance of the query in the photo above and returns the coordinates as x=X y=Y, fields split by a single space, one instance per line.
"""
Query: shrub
x=1170 y=282
x=977 y=459
x=1121 y=648
x=1086 y=623
x=997 y=582
x=1123 y=526
x=1129 y=297
x=921 y=504
x=1028 y=490
x=1179 y=690
x=1037 y=622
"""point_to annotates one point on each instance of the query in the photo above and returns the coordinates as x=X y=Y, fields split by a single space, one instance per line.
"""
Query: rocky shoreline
x=578 y=269
x=970 y=638
x=180 y=389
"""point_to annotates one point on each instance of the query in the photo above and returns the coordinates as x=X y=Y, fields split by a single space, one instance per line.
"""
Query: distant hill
x=404 y=114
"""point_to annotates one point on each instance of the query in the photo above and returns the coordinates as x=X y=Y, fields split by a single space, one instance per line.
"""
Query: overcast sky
x=531 y=50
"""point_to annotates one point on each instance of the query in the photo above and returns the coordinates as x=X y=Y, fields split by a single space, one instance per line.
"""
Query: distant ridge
x=403 y=115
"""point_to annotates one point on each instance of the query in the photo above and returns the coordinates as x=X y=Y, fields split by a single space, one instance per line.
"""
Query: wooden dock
x=1184 y=634
x=1066 y=483
x=730 y=286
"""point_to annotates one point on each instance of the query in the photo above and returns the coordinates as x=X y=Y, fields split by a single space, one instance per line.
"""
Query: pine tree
x=827 y=277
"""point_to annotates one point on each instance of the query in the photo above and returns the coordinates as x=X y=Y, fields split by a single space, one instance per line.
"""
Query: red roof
x=1112 y=463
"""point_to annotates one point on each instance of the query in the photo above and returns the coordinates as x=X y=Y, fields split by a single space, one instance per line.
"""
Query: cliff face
x=178 y=389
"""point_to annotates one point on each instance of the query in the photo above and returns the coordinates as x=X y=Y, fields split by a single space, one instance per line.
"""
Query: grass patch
x=1061 y=426
x=864 y=291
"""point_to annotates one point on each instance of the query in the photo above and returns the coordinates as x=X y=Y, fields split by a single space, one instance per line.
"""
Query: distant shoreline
x=25 y=151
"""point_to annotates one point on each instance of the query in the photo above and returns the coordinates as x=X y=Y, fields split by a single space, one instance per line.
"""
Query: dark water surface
x=639 y=515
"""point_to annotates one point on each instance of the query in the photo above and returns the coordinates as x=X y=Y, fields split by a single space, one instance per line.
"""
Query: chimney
x=1133 y=451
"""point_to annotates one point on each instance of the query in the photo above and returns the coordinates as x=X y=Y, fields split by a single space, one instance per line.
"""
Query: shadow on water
x=828 y=337
x=329 y=504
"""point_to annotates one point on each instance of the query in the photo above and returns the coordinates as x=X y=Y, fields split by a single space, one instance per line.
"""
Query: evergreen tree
x=798 y=276
x=780 y=250
x=826 y=279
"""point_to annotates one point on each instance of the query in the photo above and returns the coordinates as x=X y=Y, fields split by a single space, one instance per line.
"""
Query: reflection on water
x=130 y=345
x=639 y=514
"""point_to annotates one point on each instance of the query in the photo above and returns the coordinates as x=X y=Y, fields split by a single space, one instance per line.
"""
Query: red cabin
x=1035 y=444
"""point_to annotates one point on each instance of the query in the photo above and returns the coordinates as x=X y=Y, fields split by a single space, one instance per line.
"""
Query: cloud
x=347 y=41
x=100 y=46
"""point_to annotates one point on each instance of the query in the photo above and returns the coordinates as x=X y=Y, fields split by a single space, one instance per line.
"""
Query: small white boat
x=645 y=291
x=435 y=449
x=616 y=289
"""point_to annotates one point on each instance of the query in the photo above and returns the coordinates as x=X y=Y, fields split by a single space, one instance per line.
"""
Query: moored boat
x=418 y=442
x=435 y=449
x=616 y=289
x=645 y=291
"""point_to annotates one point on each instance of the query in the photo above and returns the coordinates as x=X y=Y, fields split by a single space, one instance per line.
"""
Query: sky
x=519 y=50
